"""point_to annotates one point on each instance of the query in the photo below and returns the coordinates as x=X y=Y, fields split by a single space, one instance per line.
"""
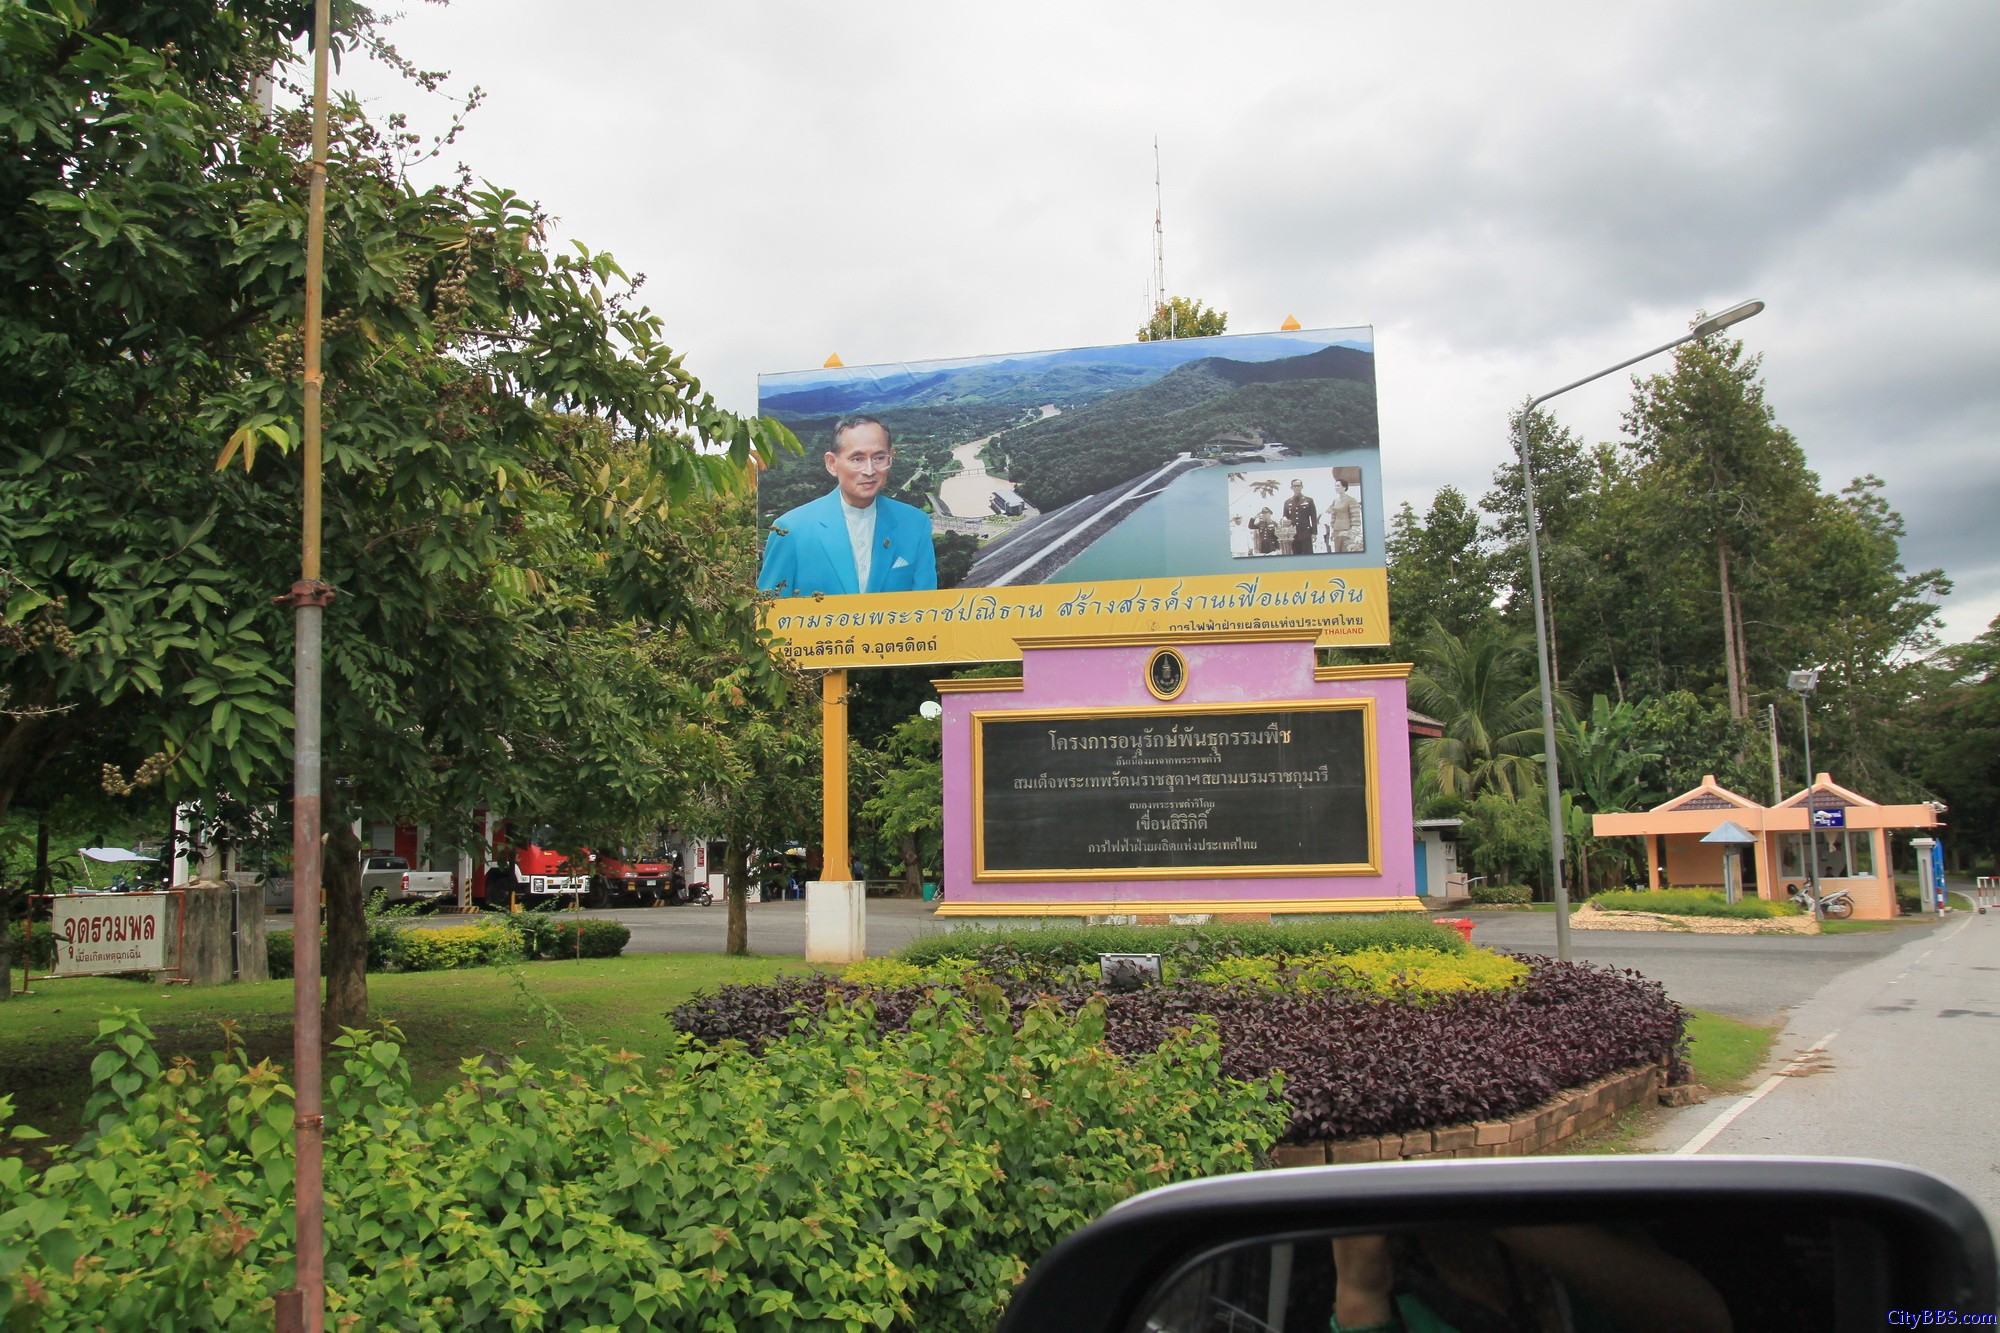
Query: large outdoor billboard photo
x=943 y=510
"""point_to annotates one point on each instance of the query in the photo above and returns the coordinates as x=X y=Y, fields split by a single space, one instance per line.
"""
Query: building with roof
x=1852 y=833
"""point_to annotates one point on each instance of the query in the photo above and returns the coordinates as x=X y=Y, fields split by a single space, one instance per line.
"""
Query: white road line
x=1723 y=1121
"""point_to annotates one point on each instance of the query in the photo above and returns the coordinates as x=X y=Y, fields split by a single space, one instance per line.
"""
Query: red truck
x=638 y=876
x=539 y=871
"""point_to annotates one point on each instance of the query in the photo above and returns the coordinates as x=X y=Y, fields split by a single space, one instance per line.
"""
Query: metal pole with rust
x=302 y=1307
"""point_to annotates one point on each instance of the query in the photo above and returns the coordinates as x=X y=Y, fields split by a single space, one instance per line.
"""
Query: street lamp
x=1736 y=314
x=1805 y=682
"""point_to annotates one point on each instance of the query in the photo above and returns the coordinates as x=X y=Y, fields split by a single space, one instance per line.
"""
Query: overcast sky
x=1512 y=195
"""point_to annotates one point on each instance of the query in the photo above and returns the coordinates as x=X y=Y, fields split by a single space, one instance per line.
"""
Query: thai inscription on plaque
x=1161 y=793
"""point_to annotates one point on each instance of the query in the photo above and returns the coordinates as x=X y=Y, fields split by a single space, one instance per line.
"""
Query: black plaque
x=1147 y=794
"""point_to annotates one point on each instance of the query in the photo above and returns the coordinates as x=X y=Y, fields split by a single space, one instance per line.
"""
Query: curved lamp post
x=1736 y=314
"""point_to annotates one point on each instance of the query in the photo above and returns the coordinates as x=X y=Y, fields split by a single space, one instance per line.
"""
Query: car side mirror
x=1643 y=1244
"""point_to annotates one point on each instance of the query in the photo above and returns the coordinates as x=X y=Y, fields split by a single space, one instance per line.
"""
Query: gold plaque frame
x=1371 y=760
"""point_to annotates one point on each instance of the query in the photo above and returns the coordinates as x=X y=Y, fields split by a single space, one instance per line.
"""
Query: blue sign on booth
x=1829 y=819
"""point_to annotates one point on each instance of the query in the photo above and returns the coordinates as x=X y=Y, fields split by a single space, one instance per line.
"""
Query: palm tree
x=1266 y=488
x=1479 y=688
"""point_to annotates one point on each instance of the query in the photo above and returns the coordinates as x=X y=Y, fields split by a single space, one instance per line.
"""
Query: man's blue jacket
x=808 y=550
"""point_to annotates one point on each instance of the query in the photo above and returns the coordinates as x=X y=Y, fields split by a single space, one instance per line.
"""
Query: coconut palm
x=1479 y=688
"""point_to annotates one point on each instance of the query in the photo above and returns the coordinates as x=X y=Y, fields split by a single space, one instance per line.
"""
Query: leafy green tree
x=907 y=809
x=1508 y=836
x=1960 y=758
x=1441 y=572
x=507 y=439
x=1602 y=759
x=1478 y=688
x=1713 y=450
x=1691 y=738
x=1183 y=317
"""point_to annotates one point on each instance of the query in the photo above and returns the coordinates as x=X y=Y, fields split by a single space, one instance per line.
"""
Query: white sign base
x=836 y=920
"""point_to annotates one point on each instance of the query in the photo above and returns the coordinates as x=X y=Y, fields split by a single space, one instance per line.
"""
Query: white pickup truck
x=398 y=883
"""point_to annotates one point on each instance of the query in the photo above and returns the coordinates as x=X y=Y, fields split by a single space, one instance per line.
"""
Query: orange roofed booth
x=1853 y=841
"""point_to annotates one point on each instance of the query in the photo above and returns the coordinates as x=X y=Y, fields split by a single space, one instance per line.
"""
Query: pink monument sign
x=1178 y=779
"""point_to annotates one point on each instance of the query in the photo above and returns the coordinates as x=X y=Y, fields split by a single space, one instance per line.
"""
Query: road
x=1753 y=978
x=1897 y=1059
x=775 y=928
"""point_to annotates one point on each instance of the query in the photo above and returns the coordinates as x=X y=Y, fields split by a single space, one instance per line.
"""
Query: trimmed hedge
x=446 y=948
x=1509 y=895
x=494 y=937
x=844 y=1179
x=1691 y=902
x=1354 y=1063
x=1058 y=945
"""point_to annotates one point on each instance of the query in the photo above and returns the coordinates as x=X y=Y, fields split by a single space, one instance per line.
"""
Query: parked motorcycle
x=1835 y=906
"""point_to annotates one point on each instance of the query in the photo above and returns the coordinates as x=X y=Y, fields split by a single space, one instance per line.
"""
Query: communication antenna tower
x=1159 y=245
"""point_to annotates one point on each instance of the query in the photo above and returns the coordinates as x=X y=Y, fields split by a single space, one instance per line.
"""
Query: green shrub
x=278 y=953
x=37 y=941
x=1066 y=944
x=586 y=937
x=450 y=947
x=844 y=1179
x=1513 y=895
x=1691 y=902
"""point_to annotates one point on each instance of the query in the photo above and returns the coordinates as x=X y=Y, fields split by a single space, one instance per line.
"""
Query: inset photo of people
x=1296 y=510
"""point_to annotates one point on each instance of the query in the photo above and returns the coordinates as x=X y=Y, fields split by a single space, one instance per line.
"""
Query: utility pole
x=1777 y=775
x=301 y=1308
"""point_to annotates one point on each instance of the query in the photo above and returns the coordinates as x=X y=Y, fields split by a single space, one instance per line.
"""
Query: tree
x=751 y=722
x=1961 y=758
x=1507 y=834
x=1183 y=317
x=1478 y=689
x=907 y=810
x=1602 y=758
x=1441 y=573
x=507 y=439
x=1711 y=442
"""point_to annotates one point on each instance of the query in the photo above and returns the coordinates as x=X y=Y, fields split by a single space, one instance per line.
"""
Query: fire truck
x=540 y=871
x=636 y=876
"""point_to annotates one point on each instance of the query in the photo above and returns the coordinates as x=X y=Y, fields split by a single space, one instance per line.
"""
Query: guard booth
x=1847 y=831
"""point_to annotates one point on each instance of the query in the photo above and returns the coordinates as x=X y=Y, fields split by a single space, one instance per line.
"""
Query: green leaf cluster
x=842 y=1180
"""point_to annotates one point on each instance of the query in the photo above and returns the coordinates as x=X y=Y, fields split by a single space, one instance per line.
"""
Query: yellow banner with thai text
x=1349 y=608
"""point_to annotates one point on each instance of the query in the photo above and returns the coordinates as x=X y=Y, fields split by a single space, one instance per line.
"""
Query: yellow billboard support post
x=833 y=776
x=836 y=902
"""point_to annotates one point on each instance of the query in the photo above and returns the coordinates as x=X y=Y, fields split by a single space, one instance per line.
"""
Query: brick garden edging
x=1547 y=1126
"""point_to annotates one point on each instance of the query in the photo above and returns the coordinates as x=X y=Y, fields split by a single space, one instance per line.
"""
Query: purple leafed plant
x=1354 y=1064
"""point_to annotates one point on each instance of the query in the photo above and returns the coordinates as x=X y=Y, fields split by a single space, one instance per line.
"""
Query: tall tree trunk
x=1738 y=707
x=1742 y=644
x=346 y=954
x=913 y=875
x=736 y=870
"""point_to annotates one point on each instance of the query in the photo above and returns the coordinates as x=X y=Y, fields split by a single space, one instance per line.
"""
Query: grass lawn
x=46 y=1038
x=1724 y=1053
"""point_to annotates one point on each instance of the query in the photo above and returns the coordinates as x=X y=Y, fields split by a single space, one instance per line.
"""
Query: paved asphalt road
x=1749 y=977
x=775 y=928
x=1897 y=1059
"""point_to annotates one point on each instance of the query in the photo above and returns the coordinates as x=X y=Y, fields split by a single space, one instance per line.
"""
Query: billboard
x=944 y=510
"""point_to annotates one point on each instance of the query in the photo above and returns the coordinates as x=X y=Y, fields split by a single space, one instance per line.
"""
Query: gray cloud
x=1512 y=195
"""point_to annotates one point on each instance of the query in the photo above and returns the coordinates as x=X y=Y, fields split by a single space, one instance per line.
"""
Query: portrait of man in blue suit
x=853 y=538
